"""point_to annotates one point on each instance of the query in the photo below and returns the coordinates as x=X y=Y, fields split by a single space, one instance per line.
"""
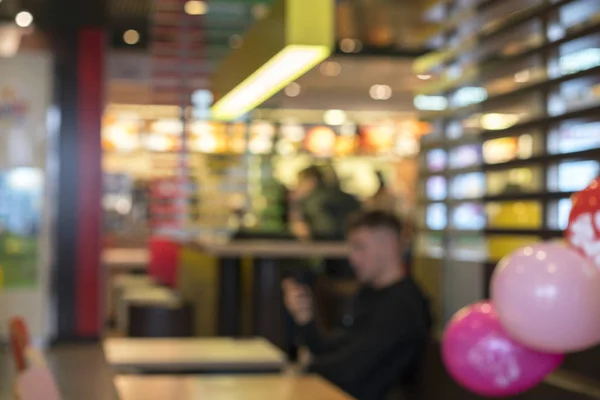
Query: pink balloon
x=480 y=356
x=547 y=296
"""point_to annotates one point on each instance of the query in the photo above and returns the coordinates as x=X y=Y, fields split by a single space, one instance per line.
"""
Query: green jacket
x=326 y=210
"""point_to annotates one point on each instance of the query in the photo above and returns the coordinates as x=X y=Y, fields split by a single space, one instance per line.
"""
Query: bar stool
x=166 y=320
x=123 y=283
x=142 y=295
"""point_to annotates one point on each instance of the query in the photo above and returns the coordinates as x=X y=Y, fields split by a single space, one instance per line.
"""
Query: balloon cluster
x=544 y=303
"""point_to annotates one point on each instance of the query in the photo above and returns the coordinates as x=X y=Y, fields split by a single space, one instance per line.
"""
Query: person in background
x=384 y=339
x=319 y=210
x=384 y=199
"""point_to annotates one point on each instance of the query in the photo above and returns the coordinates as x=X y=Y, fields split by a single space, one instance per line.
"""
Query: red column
x=90 y=88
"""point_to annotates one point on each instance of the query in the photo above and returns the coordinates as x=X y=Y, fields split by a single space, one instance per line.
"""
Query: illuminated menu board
x=321 y=141
x=377 y=139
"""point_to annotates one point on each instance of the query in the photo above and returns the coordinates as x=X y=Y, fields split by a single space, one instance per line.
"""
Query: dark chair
x=161 y=321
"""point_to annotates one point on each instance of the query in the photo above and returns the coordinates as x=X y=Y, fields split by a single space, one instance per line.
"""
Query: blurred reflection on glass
x=574 y=56
x=468 y=216
x=502 y=150
x=495 y=15
x=430 y=245
x=521 y=38
x=436 y=217
x=467 y=96
x=514 y=181
x=574 y=94
x=572 y=176
x=436 y=160
x=21 y=197
x=465 y=156
x=437 y=188
x=574 y=136
x=469 y=248
x=508 y=112
x=497 y=121
x=468 y=186
x=500 y=246
x=558 y=214
x=517 y=215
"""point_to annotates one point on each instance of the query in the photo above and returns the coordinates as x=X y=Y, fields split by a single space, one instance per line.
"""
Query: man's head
x=308 y=180
x=377 y=242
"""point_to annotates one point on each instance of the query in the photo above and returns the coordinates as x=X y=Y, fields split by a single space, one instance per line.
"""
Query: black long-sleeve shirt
x=381 y=348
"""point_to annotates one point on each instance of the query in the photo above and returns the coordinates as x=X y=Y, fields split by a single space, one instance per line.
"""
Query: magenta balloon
x=480 y=355
x=547 y=296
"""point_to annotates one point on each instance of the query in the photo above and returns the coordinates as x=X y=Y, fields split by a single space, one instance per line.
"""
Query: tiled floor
x=80 y=372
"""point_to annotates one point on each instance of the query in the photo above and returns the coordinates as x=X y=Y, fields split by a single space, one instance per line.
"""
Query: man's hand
x=298 y=301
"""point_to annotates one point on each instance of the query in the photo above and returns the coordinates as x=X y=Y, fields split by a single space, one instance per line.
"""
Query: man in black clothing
x=388 y=332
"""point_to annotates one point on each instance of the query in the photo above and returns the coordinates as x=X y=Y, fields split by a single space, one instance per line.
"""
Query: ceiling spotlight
x=380 y=92
x=260 y=11
x=292 y=90
x=235 y=41
x=196 y=7
x=424 y=77
x=131 y=37
x=331 y=68
x=24 y=19
x=348 y=45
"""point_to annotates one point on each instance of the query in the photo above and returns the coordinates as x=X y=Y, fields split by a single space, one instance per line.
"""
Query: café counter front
x=235 y=287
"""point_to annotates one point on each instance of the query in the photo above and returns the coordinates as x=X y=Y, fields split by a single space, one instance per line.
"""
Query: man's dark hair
x=312 y=172
x=376 y=219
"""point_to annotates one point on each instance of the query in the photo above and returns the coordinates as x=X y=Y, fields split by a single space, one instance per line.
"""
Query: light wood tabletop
x=240 y=387
x=125 y=258
x=273 y=248
x=197 y=355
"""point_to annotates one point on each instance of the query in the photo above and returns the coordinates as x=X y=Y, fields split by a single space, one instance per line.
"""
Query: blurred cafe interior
x=151 y=152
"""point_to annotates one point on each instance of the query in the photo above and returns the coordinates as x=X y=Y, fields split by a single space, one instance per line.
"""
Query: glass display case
x=519 y=133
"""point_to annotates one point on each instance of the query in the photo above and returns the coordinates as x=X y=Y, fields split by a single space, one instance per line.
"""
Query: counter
x=241 y=281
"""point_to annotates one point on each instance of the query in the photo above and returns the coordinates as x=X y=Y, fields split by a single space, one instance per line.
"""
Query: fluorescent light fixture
x=288 y=65
x=294 y=37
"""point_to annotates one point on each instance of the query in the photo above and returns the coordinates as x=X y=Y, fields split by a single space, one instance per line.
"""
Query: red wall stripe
x=91 y=61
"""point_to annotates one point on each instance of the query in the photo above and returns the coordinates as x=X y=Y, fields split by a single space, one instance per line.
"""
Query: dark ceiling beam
x=66 y=14
x=391 y=51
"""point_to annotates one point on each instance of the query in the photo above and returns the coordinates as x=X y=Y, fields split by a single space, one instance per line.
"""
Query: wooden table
x=268 y=257
x=256 y=387
x=193 y=355
x=126 y=259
